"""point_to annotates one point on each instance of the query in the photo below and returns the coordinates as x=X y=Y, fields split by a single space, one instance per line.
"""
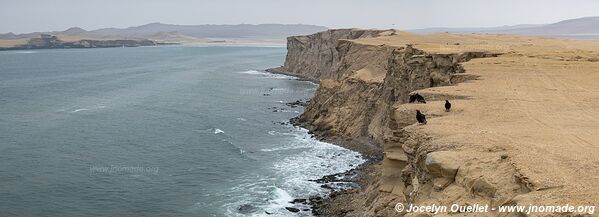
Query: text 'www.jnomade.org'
x=480 y=208
x=124 y=170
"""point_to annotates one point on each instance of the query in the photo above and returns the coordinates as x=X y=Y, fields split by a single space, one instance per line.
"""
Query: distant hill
x=581 y=28
x=242 y=31
x=214 y=31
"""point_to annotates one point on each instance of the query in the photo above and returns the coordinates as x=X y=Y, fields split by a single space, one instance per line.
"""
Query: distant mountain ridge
x=196 y=31
x=580 y=28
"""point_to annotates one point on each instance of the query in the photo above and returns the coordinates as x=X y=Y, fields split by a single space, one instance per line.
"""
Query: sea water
x=156 y=131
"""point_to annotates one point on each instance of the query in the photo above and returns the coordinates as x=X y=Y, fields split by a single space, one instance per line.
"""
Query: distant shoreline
x=55 y=43
x=47 y=41
x=64 y=48
x=232 y=44
x=158 y=34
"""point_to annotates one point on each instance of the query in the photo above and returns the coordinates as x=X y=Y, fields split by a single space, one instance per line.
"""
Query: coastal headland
x=523 y=128
x=47 y=41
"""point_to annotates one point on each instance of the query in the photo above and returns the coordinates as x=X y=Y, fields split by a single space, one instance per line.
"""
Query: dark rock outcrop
x=292 y=209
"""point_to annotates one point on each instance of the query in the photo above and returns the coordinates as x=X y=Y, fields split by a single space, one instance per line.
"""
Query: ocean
x=156 y=131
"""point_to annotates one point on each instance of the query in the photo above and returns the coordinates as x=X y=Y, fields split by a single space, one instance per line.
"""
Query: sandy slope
x=543 y=113
x=538 y=104
x=12 y=42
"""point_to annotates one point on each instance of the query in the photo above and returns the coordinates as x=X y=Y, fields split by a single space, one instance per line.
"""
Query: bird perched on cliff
x=447 y=105
x=416 y=97
x=421 y=118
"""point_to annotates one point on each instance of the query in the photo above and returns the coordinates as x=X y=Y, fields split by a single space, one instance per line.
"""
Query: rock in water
x=299 y=200
x=246 y=209
x=291 y=209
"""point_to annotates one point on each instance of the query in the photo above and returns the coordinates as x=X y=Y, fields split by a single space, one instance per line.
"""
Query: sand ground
x=537 y=103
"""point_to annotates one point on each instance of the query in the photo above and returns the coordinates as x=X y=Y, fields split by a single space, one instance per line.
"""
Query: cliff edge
x=522 y=129
x=317 y=56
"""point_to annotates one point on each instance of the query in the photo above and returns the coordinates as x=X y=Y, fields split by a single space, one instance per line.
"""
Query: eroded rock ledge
x=365 y=77
x=315 y=57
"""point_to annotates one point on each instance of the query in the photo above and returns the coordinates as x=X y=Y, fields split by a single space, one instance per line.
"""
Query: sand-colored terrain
x=523 y=128
x=544 y=114
x=538 y=104
x=12 y=42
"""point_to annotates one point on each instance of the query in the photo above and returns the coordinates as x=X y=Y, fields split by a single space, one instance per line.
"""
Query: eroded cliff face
x=492 y=149
x=359 y=102
x=315 y=57
x=361 y=83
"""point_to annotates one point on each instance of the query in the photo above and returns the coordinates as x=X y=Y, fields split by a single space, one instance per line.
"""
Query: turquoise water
x=155 y=131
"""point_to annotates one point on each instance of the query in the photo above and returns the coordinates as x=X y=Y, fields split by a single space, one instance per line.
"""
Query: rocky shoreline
x=334 y=203
x=342 y=184
x=345 y=185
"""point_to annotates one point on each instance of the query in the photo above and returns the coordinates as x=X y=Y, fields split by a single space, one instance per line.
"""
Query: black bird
x=416 y=97
x=447 y=105
x=412 y=98
x=421 y=118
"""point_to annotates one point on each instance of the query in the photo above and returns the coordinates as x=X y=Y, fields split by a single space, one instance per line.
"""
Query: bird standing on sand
x=447 y=105
x=421 y=118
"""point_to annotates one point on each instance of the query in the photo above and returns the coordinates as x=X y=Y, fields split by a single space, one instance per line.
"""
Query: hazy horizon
x=29 y=16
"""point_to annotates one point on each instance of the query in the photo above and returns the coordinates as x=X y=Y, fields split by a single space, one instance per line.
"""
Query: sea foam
x=267 y=74
x=302 y=159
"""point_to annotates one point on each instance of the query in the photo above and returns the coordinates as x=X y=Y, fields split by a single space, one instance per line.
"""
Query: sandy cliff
x=523 y=128
x=318 y=56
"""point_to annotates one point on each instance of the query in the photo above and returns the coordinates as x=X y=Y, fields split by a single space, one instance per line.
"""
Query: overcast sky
x=21 y=16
